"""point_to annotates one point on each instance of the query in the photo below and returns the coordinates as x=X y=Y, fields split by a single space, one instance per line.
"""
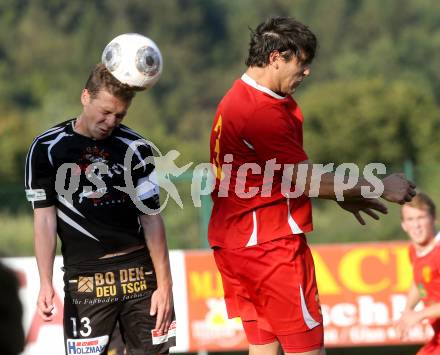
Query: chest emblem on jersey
x=94 y=162
x=427 y=274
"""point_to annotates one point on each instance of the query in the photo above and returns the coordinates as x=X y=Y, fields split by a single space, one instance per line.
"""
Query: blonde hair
x=101 y=79
x=422 y=201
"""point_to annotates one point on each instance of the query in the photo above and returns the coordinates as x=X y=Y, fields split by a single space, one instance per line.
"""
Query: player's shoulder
x=434 y=256
x=59 y=127
x=53 y=132
x=239 y=97
x=436 y=249
x=132 y=138
x=127 y=132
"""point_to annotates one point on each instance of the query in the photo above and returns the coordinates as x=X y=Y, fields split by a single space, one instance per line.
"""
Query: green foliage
x=376 y=119
x=374 y=93
x=16 y=235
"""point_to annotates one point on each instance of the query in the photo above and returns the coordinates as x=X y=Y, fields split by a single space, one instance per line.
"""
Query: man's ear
x=85 y=97
x=274 y=57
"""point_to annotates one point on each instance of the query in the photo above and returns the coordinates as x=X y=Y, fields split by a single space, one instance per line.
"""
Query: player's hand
x=368 y=206
x=45 y=303
x=406 y=322
x=162 y=307
x=398 y=189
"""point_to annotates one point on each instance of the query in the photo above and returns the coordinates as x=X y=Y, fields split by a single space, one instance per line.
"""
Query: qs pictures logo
x=165 y=167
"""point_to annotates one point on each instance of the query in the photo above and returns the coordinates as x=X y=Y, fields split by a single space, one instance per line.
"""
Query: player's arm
x=273 y=138
x=395 y=188
x=412 y=298
x=147 y=189
x=45 y=239
x=409 y=316
x=329 y=185
x=432 y=311
x=40 y=191
x=412 y=317
x=162 y=298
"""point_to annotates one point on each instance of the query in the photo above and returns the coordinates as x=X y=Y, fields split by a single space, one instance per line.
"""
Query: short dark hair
x=284 y=34
x=101 y=79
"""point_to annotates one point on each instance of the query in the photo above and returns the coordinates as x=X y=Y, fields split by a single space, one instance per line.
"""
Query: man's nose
x=111 y=121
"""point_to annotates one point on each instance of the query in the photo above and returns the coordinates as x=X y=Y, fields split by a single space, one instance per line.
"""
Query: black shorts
x=108 y=291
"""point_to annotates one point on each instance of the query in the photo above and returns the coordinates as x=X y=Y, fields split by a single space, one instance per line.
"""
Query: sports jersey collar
x=248 y=80
x=71 y=129
x=71 y=126
x=428 y=250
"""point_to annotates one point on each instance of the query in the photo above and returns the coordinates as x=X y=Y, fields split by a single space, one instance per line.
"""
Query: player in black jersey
x=91 y=180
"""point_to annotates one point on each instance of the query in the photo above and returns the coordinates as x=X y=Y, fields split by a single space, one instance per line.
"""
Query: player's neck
x=422 y=250
x=79 y=127
x=263 y=77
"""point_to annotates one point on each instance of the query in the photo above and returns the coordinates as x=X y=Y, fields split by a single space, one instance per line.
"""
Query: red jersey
x=426 y=270
x=254 y=129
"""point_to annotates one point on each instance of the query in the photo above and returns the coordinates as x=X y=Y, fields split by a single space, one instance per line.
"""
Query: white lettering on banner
x=366 y=311
x=362 y=335
x=369 y=322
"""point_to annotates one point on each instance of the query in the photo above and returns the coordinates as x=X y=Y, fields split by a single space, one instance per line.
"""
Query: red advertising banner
x=362 y=291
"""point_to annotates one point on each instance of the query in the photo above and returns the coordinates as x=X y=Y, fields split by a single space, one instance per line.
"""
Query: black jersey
x=94 y=185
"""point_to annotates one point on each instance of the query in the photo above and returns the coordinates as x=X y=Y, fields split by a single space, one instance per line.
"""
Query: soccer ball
x=134 y=60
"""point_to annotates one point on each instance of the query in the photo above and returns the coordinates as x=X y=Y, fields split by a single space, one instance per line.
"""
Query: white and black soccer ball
x=134 y=60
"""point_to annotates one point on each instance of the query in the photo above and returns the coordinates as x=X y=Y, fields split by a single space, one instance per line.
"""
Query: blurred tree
x=374 y=93
x=370 y=120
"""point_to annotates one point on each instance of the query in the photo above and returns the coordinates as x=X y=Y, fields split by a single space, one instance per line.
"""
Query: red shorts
x=431 y=348
x=274 y=285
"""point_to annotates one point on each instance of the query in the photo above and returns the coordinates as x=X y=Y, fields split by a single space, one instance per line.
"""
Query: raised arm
x=357 y=196
x=278 y=146
x=331 y=185
x=410 y=317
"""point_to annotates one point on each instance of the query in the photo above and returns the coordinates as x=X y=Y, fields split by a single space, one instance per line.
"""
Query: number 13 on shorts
x=85 y=328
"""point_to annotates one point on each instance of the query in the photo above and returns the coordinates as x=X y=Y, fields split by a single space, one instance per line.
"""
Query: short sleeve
x=274 y=133
x=39 y=177
x=145 y=177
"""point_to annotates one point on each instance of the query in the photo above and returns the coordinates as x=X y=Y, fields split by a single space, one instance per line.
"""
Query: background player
x=418 y=221
x=257 y=233
x=11 y=313
x=115 y=257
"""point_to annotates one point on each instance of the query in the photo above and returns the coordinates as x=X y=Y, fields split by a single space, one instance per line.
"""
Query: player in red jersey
x=418 y=221
x=257 y=229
